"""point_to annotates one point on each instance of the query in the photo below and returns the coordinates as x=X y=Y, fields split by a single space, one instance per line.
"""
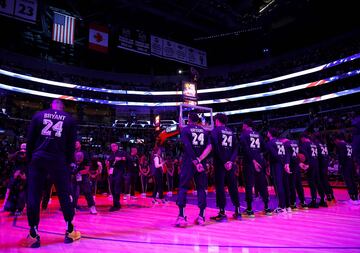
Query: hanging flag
x=99 y=38
x=63 y=28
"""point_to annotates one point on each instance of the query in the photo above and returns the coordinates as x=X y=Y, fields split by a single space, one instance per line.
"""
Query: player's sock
x=237 y=209
x=222 y=210
x=33 y=231
x=202 y=212
x=181 y=211
x=249 y=206
x=266 y=205
x=70 y=227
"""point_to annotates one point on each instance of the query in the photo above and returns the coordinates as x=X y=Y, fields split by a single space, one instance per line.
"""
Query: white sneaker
x=288 y=209
x=280 y=210
x=169 y=194
x=194 y=193
x=143 y=195
x=93 y=210
x=200 y=221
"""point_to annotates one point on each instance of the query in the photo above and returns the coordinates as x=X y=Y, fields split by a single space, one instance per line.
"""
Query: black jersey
x=344 y=152
x=224 y=144
x=277 y=152
x=195 y=139
x=323 y=154
x=310 y=151
x=252 y=146
x=292 y=147
x=52 y=135
x=356 y=138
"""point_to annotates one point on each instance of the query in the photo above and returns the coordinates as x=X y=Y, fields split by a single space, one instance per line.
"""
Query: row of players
x=285 y=157
x=51 y=148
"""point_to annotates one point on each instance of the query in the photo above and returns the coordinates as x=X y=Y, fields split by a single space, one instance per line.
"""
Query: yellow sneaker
x=73 y=236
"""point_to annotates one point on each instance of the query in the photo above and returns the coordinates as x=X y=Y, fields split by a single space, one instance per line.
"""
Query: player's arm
x=235 y=149
x=303 y=149
x=205 y=153
x=32 y=136
x=70 y=142
x=245 y=147
x=184 y=135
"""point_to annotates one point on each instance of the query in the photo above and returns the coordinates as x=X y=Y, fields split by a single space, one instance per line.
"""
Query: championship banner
x=142 y=42
x=169 y=49
x=177 y=52
x=156 y=46
x=25 y=10
x=98 y=38
x=135 y=41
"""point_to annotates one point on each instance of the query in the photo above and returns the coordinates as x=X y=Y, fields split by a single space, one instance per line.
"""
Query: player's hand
x=257 y=166
x=228 y=165
x=117 y=159
x=303 y=166
x=287 y=168
x=200 y=167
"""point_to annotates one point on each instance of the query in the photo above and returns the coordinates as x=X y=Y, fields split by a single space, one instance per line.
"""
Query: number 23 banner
x=19 y=9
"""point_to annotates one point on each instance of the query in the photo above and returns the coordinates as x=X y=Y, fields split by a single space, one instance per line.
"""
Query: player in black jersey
x=323 y=165
x=252 y=146
x=311 y=166
x=196 y=148
x=279 y=161
x=50 y=150
x=295 y=184
x=346 y=162
x=225 y=150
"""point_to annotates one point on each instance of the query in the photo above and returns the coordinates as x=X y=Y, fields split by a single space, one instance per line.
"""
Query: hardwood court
x=141 y=226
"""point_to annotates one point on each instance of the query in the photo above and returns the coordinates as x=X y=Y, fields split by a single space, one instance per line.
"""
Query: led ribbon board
x=165 y=104
x=166 y=93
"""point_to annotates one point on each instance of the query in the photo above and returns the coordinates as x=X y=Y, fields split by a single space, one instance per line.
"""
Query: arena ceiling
x=208 y=24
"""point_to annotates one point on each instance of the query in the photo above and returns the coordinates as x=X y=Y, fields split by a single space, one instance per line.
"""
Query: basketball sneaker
x=280 y=210
x=304 y=205
x=73 y=236
x=114 y=208
x=93 y=210
x=32 y=242
x=200 y=221
x=219 y=218
x=237 y=216
x=268 y=212
x=294 y=207
x=181 y=222
x=323 y=203
x=313 y=204
x=249 y=213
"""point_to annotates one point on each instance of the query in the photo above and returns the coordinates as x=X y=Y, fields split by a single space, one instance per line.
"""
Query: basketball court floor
x=141 y=226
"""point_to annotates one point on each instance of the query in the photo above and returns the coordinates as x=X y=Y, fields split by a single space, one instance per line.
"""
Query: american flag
x=63 y=28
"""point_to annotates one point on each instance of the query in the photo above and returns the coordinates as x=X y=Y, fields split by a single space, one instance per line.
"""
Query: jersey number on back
x=255 y=142
x=49 y=127
x=281 y=149
x=198 y=139
x=349 y=150
x=226 y=140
